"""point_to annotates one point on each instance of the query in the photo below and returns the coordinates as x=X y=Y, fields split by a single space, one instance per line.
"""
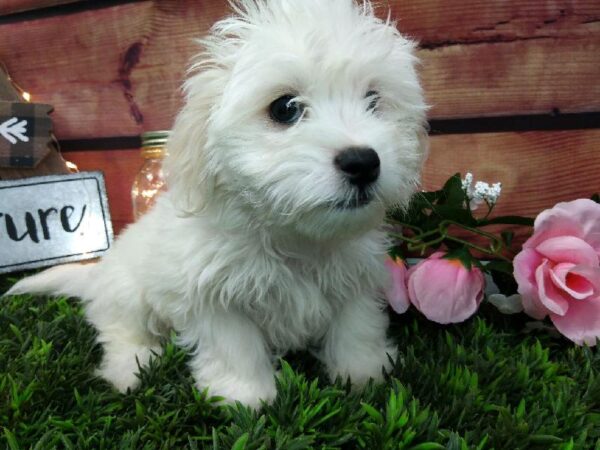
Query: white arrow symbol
x=12 y=130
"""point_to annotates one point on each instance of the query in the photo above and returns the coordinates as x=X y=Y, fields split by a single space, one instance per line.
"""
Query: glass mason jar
x=149 y=181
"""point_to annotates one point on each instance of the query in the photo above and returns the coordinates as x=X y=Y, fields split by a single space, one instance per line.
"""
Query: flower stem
x=420 y=243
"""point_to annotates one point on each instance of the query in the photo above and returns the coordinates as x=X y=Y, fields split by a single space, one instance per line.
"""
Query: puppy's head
x=300 y=115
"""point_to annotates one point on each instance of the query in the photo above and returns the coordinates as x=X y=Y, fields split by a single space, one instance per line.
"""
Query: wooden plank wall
x=528 y=68
x=17 y=6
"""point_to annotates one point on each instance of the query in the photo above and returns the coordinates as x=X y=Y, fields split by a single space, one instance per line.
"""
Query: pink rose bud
x=558 y=270
x=444 y=290
x=395 y=291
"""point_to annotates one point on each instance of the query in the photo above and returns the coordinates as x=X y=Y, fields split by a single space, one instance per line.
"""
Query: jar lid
x=155 y=138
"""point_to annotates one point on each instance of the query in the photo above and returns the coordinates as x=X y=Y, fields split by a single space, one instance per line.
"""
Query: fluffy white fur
x=246 y=256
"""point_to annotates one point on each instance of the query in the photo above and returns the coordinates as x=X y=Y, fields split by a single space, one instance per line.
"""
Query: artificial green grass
x=484 y=384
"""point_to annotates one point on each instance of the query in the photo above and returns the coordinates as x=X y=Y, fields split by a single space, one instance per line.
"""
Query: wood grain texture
x=122 y=78
x=116 y=71
x=537 y=169
x=443 y=22
x=80 y=72
x=439 y=22
x=119 y=168
x=15 y=6
x=512 y=78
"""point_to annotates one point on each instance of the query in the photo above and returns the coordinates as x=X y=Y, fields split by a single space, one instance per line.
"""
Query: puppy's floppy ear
x=190 y=168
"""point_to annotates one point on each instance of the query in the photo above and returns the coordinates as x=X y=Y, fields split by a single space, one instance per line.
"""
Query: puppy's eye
x=373 y=97
x=286 y=110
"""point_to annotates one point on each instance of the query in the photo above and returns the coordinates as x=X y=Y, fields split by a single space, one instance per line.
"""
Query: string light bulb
x=71 y=166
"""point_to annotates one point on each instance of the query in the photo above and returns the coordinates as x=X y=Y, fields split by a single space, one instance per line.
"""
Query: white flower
x=481 y=192
x=467 y=182
x=494 y=193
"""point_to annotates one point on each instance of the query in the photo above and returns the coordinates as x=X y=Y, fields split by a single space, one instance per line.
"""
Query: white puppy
x=304 y=120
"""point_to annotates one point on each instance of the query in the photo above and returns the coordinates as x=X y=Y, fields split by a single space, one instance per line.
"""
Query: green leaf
x=520 y=412
x=507 y=237
x=454 y=194
x=544 y=439
x=428 y=446
x=376 y=415
x=215 y=439
x=140 y=411
x=11 y=439
x=569 y=445
x=455 y=213
x=431 y=197
x=483 y=443
x=16 y=332
x=500 y=266
x=325 y=418
x=240 y=444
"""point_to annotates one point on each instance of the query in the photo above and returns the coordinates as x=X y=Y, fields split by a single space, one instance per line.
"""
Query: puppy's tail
x=69 y=279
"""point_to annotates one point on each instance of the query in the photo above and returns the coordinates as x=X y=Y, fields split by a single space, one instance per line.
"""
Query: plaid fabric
x=25 y=132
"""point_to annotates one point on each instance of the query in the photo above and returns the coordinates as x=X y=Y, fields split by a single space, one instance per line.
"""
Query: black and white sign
x=53 y=219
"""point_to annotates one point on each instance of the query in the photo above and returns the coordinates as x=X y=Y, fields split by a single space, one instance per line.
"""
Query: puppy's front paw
x=249 y=392
x=120 y=363
x=122 y=380
x=362 y=366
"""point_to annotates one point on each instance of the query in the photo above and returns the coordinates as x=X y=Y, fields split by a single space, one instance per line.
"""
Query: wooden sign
x=25 y=132
x=53 y=219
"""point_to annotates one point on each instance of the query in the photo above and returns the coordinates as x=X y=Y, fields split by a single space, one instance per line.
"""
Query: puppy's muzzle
x=359 y=165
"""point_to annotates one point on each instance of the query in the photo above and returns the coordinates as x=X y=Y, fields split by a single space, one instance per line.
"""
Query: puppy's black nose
x=360 y=165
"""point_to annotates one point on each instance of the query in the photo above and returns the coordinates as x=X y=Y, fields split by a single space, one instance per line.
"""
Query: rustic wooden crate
x=114 y=72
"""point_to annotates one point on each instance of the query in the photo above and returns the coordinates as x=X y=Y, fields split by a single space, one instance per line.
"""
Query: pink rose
x=395 y=292
x=558 y=270
x=444 y=290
